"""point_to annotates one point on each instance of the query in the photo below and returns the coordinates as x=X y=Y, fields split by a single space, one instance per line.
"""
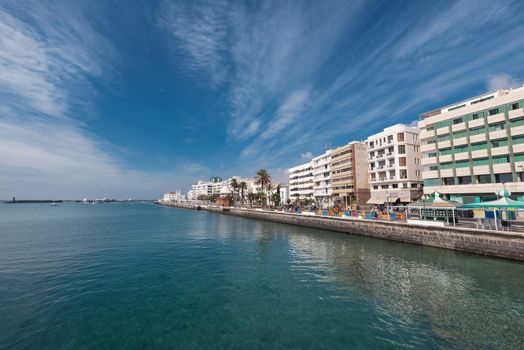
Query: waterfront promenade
x=501 y=244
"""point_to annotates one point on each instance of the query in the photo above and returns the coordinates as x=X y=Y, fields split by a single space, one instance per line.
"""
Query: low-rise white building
x=395 y=170
x=175 y=196
x=301 y=181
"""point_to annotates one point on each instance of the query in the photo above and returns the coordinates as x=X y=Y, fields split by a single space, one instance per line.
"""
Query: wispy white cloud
x=307 y=156
x=502 y=81
x=49 y=53
x=199 y=32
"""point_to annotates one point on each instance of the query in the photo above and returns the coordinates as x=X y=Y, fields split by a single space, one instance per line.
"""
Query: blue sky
x=131 y=99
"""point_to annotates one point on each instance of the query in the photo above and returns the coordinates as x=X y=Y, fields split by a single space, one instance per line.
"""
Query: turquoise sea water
x=139 y=276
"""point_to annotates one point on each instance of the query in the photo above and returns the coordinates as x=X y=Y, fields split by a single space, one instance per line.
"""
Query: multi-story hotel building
x=301 y=181
x=322 y=178
x=472 y=148
x=349 y=175
x=395 y=165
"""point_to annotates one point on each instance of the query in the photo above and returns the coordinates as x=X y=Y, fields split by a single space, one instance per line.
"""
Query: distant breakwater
x=507 y=245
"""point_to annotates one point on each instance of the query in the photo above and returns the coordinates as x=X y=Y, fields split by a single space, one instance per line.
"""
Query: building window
x=431 y=182
x=402 y=161
x=503 y=178
x=495 y=127
x=448 y=181
x=433 y=167
x=515 y=106
x=394 y=186
x=384 y=187
x=475 y=116
x=375 y=187
x=414 y=185
x=500 y=159
x=493 y=111
x=403 y=174
x=400 y=137
x=483 y=179
x=458 y=121
x=464 y=180
x=404 y=185
x=390 y=139
x=402 y=149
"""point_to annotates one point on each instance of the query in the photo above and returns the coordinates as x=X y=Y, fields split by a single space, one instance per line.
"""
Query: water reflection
x=459 y=295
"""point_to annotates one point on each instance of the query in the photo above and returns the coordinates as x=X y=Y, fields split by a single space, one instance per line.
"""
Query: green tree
x=251 y=197
x=243 y=188
x=263 y=179
x=234 y=185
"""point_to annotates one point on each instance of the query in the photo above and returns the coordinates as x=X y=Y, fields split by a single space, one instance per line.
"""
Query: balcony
x=430 y=174
x=444 y=144
x=427 y=160
x=428 y=147
x=481 y=170
x=460 y=141
x=498 y=134
x=461 y=156
x=518 y=148
x=445 y=158
x=496 y=118
x=476 y=123
x=499 y=151
x=446 y=173
x=477 y=138
x=458 y=127
x=516 y=113
x=481 y=153
x=517 y=130
x=502 y=168
x=424 y=134
x=463 y=171
x=442 y=131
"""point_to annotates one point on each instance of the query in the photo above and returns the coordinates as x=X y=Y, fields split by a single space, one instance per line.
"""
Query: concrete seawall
x=507 y=245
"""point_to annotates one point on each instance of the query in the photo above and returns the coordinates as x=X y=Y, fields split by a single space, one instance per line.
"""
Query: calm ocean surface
x=139 y=276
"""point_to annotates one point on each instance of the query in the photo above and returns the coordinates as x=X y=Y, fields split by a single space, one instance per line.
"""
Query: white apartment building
x=395 y=171
x=175 y=196
x=474 y=148
x=301 y=181
x=201 y=188
x=322 y=189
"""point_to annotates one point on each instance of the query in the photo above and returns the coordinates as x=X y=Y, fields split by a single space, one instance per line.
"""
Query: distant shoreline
x=27 y=201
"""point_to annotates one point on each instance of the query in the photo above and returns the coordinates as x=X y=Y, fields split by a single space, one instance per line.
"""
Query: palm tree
x=251 y=197
x=263 y=178
x=243 y=187
x=235 y=186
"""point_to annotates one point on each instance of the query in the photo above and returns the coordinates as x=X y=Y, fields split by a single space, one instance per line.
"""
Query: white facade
x=473 y=148
x=284 y=194
x=301 y=181
x=201 y=188
x=176 y=196
x=395 y=171
x=322 y=178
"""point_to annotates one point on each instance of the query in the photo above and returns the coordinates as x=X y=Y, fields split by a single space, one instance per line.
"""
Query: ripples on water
x=138 y=276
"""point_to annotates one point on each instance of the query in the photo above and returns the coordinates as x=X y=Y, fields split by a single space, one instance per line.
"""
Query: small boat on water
x=54 y=204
